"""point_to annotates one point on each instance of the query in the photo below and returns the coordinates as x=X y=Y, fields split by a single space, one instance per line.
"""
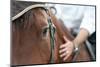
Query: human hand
x=66 y=49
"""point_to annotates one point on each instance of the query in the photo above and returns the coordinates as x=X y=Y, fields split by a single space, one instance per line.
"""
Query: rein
x=51 y=28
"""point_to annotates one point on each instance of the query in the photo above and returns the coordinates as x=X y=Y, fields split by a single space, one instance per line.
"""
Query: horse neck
x=60 y=28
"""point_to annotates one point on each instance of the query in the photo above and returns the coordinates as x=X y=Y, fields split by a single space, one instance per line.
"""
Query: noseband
x=51 y=27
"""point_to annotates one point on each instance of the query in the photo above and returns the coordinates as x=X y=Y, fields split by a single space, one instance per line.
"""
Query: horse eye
x=44 y=32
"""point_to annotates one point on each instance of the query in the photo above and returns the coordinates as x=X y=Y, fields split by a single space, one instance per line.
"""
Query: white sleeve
x=88 y=21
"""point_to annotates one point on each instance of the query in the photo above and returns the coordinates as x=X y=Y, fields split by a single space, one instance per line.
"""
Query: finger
x=63 y=46
x=66 y=57
x=65 y=38
x=63 y=50
x=64 y=54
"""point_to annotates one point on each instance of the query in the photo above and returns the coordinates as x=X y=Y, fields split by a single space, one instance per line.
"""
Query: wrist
x=76 y=48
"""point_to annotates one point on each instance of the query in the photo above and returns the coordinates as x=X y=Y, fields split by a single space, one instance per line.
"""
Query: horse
x=31 y=38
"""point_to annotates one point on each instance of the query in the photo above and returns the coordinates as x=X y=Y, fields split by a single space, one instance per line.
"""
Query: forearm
x=81 y=37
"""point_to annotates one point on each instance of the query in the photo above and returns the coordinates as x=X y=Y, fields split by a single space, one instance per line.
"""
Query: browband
x=27 y=9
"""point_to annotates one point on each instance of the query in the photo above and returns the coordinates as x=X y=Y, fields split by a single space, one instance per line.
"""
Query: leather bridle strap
x=52 y=39
x=27 y=9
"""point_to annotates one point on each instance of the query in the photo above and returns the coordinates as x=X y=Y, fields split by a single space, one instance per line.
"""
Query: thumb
x=65 y=39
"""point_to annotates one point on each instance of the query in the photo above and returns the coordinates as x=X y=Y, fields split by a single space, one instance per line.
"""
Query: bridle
x=52 y=39
x=51 y=27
